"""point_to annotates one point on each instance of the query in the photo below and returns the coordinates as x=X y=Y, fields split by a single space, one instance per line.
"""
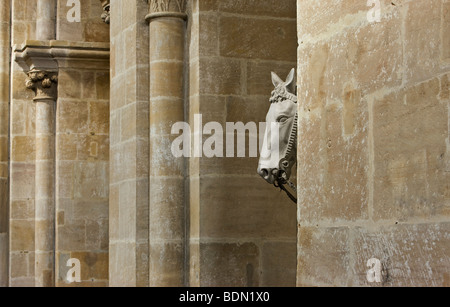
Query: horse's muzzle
x=269 y=175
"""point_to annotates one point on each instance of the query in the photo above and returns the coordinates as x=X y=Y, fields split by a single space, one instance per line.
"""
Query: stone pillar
x=46 y=20
x=129 y=147
x=44 y=84
x=167 y=181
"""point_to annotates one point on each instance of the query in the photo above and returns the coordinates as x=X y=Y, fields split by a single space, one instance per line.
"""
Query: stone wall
x=77 y=148
x=4 y=139
x=91 y=27
x=207 y=222
x=22 y=156
x=82 y=167
x=242 y=230
x=94 y=177
x=373 y=159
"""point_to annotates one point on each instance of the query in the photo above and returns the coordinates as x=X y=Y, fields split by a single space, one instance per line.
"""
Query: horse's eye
x=282 y=119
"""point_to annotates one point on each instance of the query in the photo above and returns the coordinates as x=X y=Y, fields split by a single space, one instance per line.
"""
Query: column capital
x=43 y=83
x=166 y=8
x=41 y=69
x=42 y=60
x=106 y=16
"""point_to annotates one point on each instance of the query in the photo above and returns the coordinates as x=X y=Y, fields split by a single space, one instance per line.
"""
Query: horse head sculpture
x=276 y=167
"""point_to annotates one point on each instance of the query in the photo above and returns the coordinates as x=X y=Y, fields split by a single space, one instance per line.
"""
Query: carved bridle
x=290 y=156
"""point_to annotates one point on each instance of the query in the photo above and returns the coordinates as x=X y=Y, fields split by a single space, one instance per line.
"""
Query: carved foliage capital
x=166 y=6
x=106 y=16
x=43 y=83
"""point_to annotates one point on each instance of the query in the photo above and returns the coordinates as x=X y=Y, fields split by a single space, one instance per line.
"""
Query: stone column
x=44 y=83
x=46 y=20
x=167 y=193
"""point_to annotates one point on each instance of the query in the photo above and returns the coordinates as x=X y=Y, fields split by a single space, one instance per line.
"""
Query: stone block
x=4 y=115
x=166 y=264
x=225 y=264
x=93 y=148
x=167 y=209
x=69 y=84
x=122 y=270
x=166 y=79
x=265 y=39
x=98 y=117
x=102 y=84
x=91 y=180
x=88 y=85
x=324 y=257
x=167 y=36
x=317 y=18
x=259 y=81
x=272 y=8
x=95 y=30
x=411 y=255
x=445 y=47
x=122 y=157
x=22 y=265
x=21 y=235
x=164 y=113
x=22 y=181
x=73 y=116
x=410 y=180
x=208 y=35
x=219 y=76
x=423 y=40
x=4 y=255
x=71 y=236
x=162 y=161
x=244 y=207
x=279 y=264
x=4 y=149
x=128 y=122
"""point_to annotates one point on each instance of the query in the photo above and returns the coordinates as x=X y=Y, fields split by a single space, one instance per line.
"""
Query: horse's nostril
x=264 y=173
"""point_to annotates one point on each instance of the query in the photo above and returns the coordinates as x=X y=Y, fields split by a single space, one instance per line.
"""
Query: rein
x=280 y=182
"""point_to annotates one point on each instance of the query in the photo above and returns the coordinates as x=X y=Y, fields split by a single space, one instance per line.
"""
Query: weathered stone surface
x=324 y=257
x=166 y=264
x=373 y=155
x=233 y=45
x=265 y=39
x=130 y=146
x=91 y=28
x=373 y=143
x=229 y=264
x=243 y=208
x=410 y=180
x=423 y=40
x=411 y=255
x=279 y=260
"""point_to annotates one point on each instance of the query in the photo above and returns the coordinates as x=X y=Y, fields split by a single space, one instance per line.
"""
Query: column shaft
x=45 y=198
x=167 y=192
x=46 y=20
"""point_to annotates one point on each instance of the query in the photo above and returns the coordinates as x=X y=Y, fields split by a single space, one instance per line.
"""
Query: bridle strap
x=292 y=144
x=281 y=181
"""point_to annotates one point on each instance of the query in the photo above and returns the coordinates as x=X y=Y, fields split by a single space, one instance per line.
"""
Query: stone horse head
x=275 y=167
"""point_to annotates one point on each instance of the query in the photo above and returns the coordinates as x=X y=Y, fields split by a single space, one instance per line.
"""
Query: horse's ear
x=290 y=84
x=276 y=80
